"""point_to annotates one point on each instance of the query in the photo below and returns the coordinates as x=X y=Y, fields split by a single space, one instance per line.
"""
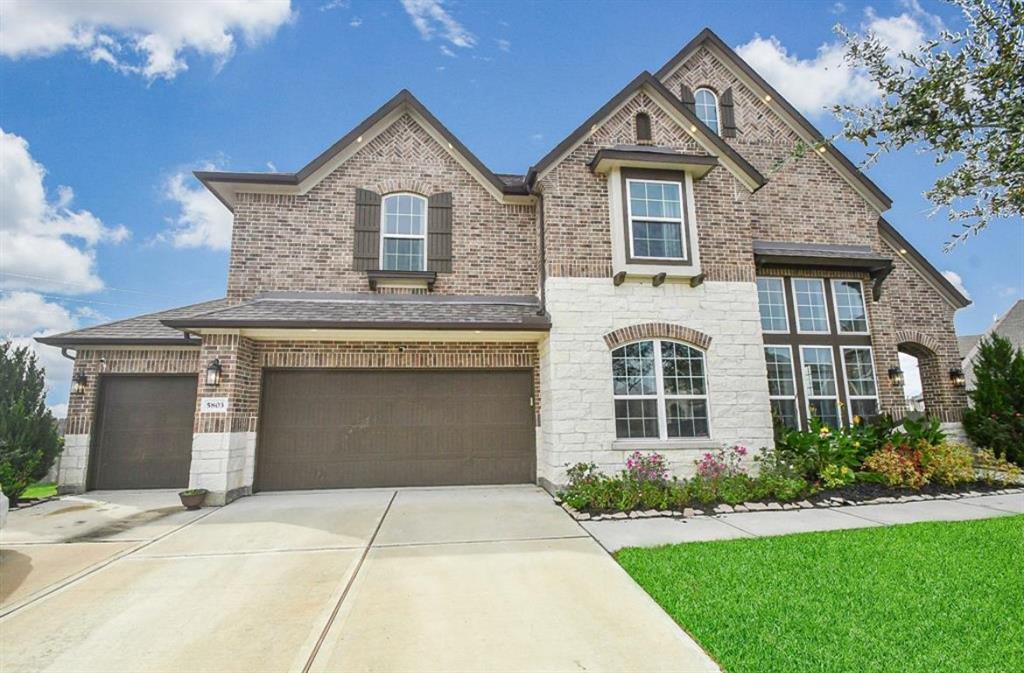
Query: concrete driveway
x=455 y=579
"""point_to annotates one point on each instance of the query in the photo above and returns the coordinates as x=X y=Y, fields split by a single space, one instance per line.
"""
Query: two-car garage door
x=360 y=428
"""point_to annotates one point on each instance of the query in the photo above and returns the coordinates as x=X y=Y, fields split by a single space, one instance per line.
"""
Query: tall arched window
x=403 y=232
x=706 y=107
x=660 y=390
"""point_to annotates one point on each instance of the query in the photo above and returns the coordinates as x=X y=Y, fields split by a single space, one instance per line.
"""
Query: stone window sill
x=401 y=279
x=698 y=443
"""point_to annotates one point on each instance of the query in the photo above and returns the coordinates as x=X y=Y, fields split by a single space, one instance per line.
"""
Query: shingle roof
x=840 y=255
x=966 y=343
x=374 y=311
x=144 y=329
x=1010 y=326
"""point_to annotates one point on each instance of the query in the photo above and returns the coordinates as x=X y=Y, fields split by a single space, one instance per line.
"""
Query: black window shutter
x=728 y=114
x=686 y=96
x=366 y=245
x=439 y=232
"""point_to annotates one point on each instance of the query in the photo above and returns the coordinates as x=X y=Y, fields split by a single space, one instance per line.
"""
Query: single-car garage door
x=143 y=434
x=349 y=428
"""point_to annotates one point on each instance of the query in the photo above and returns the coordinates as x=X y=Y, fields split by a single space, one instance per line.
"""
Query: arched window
x=660 y=390
x=706 y=107
x=643 y=127
x=403 y=232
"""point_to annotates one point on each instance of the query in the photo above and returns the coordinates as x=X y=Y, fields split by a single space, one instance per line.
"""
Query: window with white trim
x=705 y=105
x=782 y=385
x=851 y=313
x=820 y=390
x=656 y=219
x=861 y=386
x=660 y=390
x=771 y=299
x=403 y=233
x=811 y=310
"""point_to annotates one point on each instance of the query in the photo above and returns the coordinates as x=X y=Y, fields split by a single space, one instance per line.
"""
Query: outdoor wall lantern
x=896 y=376
x=957 y=378
x=78 y=383
x=213 y=373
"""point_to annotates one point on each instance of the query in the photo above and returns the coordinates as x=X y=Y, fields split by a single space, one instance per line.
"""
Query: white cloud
x=504 y=45
x=146 y=38
x=27 y=313
x=812 y=84
x=47 y=246
x=958 y=282
x=430 y=17
x=59 y=410
x=355 y=22
x=447 y=52
x=202 y=221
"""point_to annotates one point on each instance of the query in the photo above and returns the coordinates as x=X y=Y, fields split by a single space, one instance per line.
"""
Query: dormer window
x=706 y=107
x=403 y=233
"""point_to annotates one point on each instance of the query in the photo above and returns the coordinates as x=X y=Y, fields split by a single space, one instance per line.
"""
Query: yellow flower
x=856 y=420
x=824 y=432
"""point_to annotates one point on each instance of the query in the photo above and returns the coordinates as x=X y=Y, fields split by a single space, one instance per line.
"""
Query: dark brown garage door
x=143 y=433
x=343 y=428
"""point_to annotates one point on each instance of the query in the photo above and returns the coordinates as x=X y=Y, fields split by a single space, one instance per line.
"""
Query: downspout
x=64 y=352
x=543 y=257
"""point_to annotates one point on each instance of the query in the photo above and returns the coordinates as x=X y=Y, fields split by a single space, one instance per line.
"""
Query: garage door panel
x=143 y=435
x=337 y=428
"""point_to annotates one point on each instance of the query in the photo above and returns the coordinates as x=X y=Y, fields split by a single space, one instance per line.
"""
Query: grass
x=928 y=597
x=39 y=490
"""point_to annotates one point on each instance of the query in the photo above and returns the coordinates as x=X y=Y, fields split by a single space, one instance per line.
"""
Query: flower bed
x=823 y=467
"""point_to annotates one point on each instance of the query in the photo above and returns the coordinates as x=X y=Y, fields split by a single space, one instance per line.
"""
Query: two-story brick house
x=667 y=278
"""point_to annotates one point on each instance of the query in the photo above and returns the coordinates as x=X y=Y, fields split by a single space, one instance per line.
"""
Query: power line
x=79 y=285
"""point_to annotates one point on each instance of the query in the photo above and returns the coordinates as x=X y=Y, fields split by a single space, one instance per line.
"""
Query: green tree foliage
x=959 y=97
x=29 y=438
x=996 y=419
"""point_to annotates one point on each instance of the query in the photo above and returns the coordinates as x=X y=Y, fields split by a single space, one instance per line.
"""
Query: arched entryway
x=938 y=398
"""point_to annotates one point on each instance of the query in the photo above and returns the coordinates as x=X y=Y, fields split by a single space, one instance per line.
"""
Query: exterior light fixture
x=767 y=98
x=957 y=378
x=896 y=376
x=213 y=373
x=78 y=383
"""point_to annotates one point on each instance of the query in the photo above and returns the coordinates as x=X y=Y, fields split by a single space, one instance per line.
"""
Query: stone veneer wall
x=94 y=363
x=578 y=424
x=304 y=243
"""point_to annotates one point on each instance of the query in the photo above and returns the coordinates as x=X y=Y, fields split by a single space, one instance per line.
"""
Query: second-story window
x=851 y=315
x=706 y=107
x=809 y=297
x=403 y=233
x=656 y=219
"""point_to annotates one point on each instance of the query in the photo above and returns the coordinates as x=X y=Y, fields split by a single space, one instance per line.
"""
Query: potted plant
x=192 y=498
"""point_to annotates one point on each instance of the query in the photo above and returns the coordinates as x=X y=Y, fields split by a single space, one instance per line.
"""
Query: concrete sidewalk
x=615 y=535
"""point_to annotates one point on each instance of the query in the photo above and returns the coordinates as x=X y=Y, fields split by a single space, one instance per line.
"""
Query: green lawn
x=39 y=490
x=928 y=597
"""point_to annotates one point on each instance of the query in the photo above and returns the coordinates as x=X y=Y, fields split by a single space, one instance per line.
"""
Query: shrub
x=996 y=470
x=723 y=463
x=899 y=466
x=914 y=432
x=947 y=463
x=835 y=476
x=643 y=468
x=814 y=450
x=996 y=418
x=29 y=438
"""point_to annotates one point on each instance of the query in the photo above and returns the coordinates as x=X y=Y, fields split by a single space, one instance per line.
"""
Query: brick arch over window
x=657 y=330
x=402 y=185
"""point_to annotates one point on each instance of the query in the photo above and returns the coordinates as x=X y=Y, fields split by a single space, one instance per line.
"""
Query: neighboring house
x=665 y=278
x=1010 y=326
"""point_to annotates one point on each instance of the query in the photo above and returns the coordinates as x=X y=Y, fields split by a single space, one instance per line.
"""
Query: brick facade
x=304 y=243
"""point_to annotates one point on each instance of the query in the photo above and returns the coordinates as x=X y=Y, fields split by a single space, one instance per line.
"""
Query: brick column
x=224 y=444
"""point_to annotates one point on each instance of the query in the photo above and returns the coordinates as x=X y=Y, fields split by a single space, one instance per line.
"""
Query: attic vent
x=643 y=127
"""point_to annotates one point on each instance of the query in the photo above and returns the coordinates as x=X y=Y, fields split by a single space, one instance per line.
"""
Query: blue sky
x=110 y=109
